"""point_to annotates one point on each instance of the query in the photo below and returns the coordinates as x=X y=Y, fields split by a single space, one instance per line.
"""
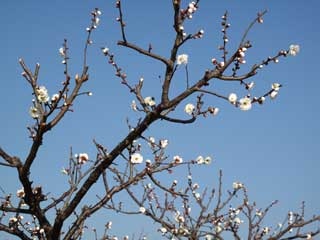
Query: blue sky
x=273 y=149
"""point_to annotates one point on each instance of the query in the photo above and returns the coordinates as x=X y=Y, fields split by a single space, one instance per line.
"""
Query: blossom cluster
x=189 y=11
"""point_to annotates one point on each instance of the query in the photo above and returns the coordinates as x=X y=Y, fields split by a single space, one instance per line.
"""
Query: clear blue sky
x=273 y=149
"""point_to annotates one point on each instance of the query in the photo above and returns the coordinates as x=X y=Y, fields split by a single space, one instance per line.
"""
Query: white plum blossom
x=232 y=98
x=250 y=85
x=182 y=59
x=189 y=108
x=164 y=143
x=13 y=220
x=274 y=94
x=109 y=225
x=64 y=171
x=215 y=111
x=149 y=101
x=136 y=158
x=208 y=237
x=294 y=50
x=266 y=230
x=309 y=236
x=142 y=210
x=245 y=104
x=207 y=160
x=152 y=141
x=20 y=193
x=83 y=158
x=55 y=97
x=105 y=50
x=237 y=185
x=134 y=105
x=218 y=229
x=200 y=160
x=34 y=112
x=42 y=94
x=261 y=100
x=276 y=86
x=163 y=230
x=237 y=221
x=177 y=159
x=62 y=52
x=197 y=196
x=179 y=218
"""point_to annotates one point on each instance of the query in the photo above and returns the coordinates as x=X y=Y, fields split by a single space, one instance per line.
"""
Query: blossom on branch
x=232 y=98
x=245 y=104
x=83 y=158
x=294 y=50
x=34 y=112
x=136 y=158
x=42 y=94
x=149 y=101
x=189 y=108
x=182 y=59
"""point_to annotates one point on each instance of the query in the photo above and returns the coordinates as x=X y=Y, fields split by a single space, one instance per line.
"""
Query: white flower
x=182 y=59
x=177 y=159
x=163 y=230
x=142 y=210
x=151 y=141
x=109 y=225
x=237 y=220
x=249 y=86
x=42 y=94
x=261 y=100
x=266 y=230
x=148 y=162
x=218 y=229
x=207 y=160
x=294 y=50
x=179 y=218
x=97 y=20
x=215 y=111
x=105 y=50
x=273 y=94
x=195 y=186
x=61 y=51
x=164 y=143
x=245 y=104
x=197 y=196
x=34 y=112
x=149 y=101
x=189 y=108
x=200 y=160
x=13 y=219
x=237 y=185
x=20 y=193
x=208 y=237
x=133 y=105
x=83 y=158
x=259 y=213
x=309 y=236
x=64 y=171
x=136 y=158
x=276 y=86
x=54 y=97
x=232 y=98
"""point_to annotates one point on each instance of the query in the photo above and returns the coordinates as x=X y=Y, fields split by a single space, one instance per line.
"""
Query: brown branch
x=12 y=161
x=14 y=231
x=144 y=52
x=175 y=120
